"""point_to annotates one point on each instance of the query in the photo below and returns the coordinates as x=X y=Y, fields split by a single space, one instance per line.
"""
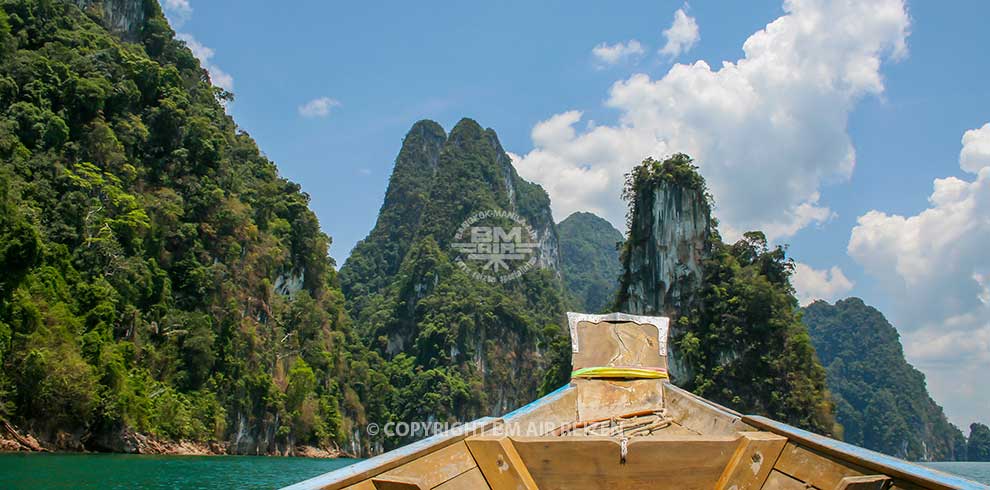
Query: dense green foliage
x=880 y=400
x=978 y=446
x=461 y=343
x=158 y=274
x=738 y=337
x=589 y=260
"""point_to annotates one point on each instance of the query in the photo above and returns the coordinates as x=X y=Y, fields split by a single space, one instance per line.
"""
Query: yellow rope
x=619 y=372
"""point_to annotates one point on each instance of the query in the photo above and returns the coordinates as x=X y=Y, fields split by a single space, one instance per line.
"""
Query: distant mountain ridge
x=465 y=347
x=881 y=400
x=589 y=256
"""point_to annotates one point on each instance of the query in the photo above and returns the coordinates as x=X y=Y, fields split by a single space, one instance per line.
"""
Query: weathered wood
x=903 y=472
x=471 y=480
x=541 y=416
x=651 y=462
x=365 y=485
x=752 y=462
x=866 y=482
x=350 y=475
x=500 y=463
x=599 y=398
x=385 y=483
x=820 y=470
x=699 y=415
x=780 y=481
x=626 y=344
x=436 y=467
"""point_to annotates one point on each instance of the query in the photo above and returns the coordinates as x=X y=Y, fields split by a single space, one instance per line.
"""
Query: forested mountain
x=736 y=333
x=468 y=347
x=978 y=445
x=159 y=277
x=589 y=259
x=880 y=400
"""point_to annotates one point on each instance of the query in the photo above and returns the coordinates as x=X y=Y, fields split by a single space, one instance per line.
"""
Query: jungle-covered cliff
x=880 y=400
x=467 y=343
x=160 y=279
x=589 y=259
x=736 y=332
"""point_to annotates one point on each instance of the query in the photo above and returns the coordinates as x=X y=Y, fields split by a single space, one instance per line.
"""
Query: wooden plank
x=598 y=398
x=752 y=462
x=817 y=469
x=780 y=481
x=385 y=483
x=657 y=463
x=500 y=463
x=699 y=415
x=868 y=482
x=540 y=417
x=365 y=485
x=874 y=462
x=436 y=467
x=627 y=344
x=471 y=480
x=355 y=473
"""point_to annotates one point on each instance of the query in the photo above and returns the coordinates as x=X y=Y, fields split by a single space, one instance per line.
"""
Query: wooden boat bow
x=604 y=432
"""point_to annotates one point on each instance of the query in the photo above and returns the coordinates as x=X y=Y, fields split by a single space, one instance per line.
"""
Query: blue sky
x=574 y=120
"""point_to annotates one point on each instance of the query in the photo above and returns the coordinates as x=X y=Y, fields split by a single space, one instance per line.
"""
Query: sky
x=854 y=132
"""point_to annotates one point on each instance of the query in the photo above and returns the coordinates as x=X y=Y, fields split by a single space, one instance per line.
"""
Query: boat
x=621 y=424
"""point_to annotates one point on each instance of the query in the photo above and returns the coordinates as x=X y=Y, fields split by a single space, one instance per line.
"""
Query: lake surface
x=978 y=472
x=20 y=471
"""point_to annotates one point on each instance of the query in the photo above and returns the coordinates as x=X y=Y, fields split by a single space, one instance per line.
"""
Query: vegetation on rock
x=159 y=276
x=737 y=336
x=589 y=258
x=978 y=446
x=459 y=347
x=880 y=400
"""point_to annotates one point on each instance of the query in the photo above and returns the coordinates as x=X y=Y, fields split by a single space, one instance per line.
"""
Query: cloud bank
x=767 y=130
x=936 y=267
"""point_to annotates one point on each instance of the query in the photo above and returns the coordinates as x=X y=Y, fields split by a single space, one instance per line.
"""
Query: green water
x=132 y=472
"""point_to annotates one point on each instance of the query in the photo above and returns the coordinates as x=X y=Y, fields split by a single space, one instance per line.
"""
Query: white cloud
x=812 y=284
x=936 y=267
x=766 y=130
x=205 y=54
x=318 y=107
x=976 y=149
x=681 y=35
x=178 y=11
x=611 y=54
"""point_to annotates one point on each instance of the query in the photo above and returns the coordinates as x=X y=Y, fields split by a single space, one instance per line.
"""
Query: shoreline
x=127 y=441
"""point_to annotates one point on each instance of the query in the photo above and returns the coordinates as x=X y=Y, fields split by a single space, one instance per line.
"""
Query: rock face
x=880 y=400
x=669 y=237
x=672 y=227
x=469 y=347
x=589 y=252
x=736 y=337
x=124 y=18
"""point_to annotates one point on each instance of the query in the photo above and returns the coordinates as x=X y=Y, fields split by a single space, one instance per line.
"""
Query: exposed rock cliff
x=736 y=335
x=125 y=18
